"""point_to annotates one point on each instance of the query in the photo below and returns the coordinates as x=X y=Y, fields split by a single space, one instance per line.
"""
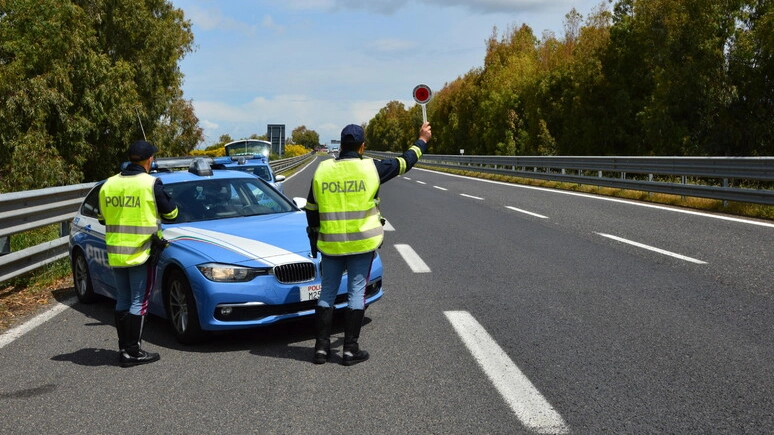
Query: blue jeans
x=358 y=267
x=132 y=289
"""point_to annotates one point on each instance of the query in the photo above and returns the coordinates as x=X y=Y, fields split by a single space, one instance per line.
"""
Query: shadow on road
x=287 y=340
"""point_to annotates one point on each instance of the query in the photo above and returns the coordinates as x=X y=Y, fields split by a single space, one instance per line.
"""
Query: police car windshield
x=209 y=199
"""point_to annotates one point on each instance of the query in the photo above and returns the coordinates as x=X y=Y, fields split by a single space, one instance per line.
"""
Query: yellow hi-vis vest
x=128 y=205
x=345 y=192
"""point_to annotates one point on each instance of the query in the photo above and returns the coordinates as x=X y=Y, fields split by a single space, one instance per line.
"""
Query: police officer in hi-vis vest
x=344 y=222
x=130 y=204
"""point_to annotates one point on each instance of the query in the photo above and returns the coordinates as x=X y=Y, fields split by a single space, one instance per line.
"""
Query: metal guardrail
x=23 y=211
x=28 y=210
x=700 y=177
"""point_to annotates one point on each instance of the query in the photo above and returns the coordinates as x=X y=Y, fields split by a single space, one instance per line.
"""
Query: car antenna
x=140 y=121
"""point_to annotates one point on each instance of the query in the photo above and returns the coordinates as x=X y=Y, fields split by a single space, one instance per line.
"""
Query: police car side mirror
x=300 y=202
x=279 y=178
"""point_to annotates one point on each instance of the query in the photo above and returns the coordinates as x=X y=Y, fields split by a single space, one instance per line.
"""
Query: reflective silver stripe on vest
x=348 y=215
x=349 y=237
x=127 y=229
x=128 y=250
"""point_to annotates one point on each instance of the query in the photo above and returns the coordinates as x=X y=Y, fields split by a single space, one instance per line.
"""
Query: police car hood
x=251 y=241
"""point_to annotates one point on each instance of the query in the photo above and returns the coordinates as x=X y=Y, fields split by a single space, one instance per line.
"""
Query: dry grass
x=19 y=302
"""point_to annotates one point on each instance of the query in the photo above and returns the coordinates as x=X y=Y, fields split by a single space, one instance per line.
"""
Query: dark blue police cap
x=352 y=134
x=141 y=150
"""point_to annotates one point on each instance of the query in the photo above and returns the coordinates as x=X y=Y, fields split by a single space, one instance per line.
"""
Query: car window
x=90 y=206
x=260 y=171
x=210 y=199
x=263 y=172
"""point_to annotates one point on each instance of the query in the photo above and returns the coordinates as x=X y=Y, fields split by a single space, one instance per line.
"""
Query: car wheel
x=82 y=279
x=181 y=308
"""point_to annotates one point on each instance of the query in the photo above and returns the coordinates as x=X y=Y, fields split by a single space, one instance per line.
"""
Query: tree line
x=80 y=79
x=645 y=77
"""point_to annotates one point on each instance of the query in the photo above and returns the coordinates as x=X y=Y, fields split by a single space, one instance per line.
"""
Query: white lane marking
x=530 y=407
x=388 y=226
x=471 y=196
x=607 y=198
x=526 y=212
x=12 y=334
x=413 y=259
x=440 y=188
x=421 y=182
x=654 y=249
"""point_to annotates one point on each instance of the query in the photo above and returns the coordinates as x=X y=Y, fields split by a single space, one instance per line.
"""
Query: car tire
x=181 y=308
x=84 y=289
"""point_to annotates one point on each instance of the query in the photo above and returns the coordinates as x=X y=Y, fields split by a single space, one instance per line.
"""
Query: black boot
x=323 y=318
x=121 y=330
x=353 y=320
x=132 y=355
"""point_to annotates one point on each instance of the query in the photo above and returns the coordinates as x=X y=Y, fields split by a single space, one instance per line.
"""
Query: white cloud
x=268 y=23
x=390 y=7
x=328 y=63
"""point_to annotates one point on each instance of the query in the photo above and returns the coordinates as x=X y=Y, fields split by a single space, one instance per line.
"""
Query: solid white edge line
x=471 y=196
x=606 y=198
x=526 y=402
x=652 y=248
x=12 y=334
x=526 y=212
x=413 y=259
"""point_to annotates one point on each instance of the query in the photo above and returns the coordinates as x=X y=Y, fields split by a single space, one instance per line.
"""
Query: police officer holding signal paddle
x=346 y=227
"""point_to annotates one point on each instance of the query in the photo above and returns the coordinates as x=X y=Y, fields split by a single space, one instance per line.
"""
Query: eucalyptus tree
x=79 y=78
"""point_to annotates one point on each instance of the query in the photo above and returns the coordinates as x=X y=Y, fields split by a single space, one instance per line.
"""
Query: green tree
x=303 y=136
x=746 y=126
x=390 y=129
x=75 y=76
x=452 y=112
x=178 y=132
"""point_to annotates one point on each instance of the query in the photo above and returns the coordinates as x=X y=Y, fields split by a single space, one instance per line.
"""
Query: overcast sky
x=328 y=63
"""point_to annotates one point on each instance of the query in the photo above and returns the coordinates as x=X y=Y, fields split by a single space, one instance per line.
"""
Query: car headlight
x=230 y=273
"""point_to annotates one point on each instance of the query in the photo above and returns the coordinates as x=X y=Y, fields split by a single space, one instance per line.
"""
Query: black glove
x=313 y=233
x=158 y=244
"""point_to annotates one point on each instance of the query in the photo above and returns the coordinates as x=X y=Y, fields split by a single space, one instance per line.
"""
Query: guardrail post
x=5 y=245
x=64 y=228
x=725 y=184
x=650 y=179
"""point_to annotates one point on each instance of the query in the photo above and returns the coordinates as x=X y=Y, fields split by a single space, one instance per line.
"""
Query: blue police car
x=256 y=164
x=238 y=255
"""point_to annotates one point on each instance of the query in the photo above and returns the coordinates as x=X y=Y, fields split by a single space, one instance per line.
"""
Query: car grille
x=295 y=273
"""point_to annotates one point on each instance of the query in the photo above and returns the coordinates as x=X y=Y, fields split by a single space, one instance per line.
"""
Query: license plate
x=310 y=292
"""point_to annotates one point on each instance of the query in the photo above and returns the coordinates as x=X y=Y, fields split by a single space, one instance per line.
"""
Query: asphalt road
x=508 y=310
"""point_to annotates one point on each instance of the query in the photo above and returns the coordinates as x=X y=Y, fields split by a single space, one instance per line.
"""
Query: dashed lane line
x=526 y=212
x=526 y=402
x=413 y=259
x=652 y=248
x=388 y=226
